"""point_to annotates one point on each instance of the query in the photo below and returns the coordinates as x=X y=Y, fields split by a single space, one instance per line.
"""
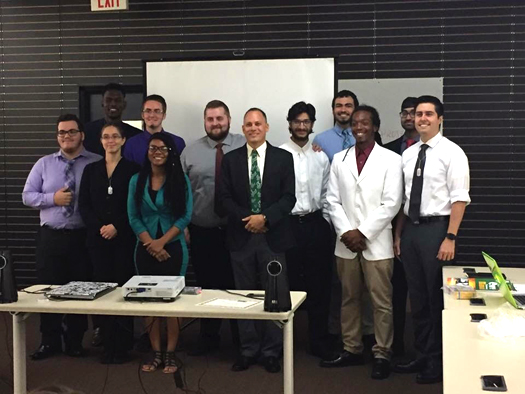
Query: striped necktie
x=69 y=176
x=347 y=141
x=255 y=185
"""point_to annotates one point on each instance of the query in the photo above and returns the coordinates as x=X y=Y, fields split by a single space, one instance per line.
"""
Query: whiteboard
x=273 y=85
x=386 y=95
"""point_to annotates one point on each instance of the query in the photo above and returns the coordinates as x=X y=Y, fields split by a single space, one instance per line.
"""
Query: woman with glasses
x=159 y=209
x=103 y=206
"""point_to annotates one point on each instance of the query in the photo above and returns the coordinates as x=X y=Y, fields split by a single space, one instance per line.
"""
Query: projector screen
x=273 y=85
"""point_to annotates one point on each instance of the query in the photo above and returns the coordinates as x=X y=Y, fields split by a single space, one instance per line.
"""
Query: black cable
x=105 y=380
x=253 y=296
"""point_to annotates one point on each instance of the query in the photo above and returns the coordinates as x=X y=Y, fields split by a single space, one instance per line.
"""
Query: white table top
x=493 y=299
x=467 y=356
x=184 y=306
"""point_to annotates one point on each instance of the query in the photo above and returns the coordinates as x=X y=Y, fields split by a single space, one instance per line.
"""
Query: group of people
x=391 y=213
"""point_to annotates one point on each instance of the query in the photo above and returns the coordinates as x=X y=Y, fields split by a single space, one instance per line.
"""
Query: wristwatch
x=451 y=236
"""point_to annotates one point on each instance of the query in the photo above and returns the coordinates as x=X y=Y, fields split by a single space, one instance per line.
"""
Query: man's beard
x=219 y=137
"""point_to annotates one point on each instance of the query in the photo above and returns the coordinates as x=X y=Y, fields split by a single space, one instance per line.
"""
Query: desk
x=467 y=356
x=113 y=304
x=493 y=299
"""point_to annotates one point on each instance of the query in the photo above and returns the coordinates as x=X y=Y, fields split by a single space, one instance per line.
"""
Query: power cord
x=253 y=296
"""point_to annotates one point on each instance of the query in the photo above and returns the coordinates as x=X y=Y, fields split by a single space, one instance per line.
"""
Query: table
x=467 y=356
x=493 y=299
x=114 y=304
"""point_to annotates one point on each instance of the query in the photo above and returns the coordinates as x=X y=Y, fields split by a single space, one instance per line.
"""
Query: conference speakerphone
x=153 y=288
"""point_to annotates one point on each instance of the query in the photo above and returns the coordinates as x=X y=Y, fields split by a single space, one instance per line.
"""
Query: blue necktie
x=347 y=141
x=70 y=184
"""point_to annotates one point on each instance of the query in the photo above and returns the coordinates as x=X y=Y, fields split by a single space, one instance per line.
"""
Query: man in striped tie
x=257 y=194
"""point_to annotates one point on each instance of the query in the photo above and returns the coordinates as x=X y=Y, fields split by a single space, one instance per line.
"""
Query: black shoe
x=433 y=373
x=243 y=363
x=203 y=347
x=45 y=351
x=413 y=366
x=75 y=350
x=380 y=368
x=96 y=341
x=271 y=364
x=345 y=359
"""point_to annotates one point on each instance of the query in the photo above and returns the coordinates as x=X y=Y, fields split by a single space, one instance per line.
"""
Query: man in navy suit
x=257 y=194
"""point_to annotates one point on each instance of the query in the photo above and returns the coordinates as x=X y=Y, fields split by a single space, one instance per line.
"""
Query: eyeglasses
x=72 y=132
x=149 y=111
x=297 y=122
x=161 y=149
x=106 y=137
x=404 y=114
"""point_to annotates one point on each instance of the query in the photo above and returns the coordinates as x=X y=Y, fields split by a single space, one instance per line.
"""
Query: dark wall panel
x=49 y=48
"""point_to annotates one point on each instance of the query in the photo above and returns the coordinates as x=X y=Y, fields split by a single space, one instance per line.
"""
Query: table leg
x=19 y=353
x=288 y=356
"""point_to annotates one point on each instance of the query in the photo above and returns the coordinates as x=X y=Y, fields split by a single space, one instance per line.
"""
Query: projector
x=153 y=288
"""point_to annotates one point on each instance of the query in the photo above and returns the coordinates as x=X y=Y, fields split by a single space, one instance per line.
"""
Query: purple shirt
x=137 y=146
x=47 y=177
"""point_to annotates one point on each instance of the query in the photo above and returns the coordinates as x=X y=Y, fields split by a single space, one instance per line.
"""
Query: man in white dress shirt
x=437 y=180
x=310 y=261
x=365 y=193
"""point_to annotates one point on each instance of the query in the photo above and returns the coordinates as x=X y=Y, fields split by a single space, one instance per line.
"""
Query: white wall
x=386 y=95
x=272 y=85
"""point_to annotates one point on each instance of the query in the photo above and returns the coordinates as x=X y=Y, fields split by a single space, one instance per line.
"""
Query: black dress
x=103 y=201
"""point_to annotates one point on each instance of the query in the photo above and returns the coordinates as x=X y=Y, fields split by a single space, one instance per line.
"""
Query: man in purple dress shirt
x=153 y=114
x=61 y=255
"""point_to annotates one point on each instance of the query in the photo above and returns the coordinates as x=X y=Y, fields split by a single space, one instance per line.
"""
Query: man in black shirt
x=114 y=104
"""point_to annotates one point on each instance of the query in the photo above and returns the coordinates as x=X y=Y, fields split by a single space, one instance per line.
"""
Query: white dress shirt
x=446 y=178
x=261 y=157
x=312 y=172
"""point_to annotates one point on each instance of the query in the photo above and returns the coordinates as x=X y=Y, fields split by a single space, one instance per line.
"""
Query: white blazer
x=367 y=202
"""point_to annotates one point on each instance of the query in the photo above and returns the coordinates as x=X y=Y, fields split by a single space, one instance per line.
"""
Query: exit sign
x=109 y=5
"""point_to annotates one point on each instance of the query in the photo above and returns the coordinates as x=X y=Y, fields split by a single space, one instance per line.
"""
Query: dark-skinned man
x=364 y=194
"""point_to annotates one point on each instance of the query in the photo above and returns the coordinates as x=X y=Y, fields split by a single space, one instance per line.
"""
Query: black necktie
x=417 y=185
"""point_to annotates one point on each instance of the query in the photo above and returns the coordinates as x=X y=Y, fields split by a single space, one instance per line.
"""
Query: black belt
x=64 y=230
x=309 y=217
x=432 y=219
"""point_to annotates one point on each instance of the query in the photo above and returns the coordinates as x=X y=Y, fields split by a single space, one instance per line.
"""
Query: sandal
x=153 y=362
x=171 y=363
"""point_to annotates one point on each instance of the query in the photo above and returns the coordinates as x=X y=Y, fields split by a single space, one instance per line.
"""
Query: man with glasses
x=399 y=299
x=310 y=261
x=153 y=114
x=61 y=255
x=114 y=104
x=210 y=258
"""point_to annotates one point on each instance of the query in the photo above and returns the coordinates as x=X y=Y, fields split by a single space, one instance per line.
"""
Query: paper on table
x=237 y=304
x=520 y=287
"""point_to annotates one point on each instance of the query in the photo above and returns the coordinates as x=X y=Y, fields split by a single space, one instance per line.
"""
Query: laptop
x=81 y=290
x=517 y=300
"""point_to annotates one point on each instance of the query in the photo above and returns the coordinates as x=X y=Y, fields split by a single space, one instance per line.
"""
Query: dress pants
x=399 y=304
x=112 y=261
x=310 y=269
x=213 y=270
x=61 y=257
x=376 y=275
x=419 y=248
x=249 y=270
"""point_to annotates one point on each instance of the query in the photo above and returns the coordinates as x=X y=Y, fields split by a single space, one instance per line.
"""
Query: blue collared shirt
x=137 y=146
x=47 y=177
x=331 y=141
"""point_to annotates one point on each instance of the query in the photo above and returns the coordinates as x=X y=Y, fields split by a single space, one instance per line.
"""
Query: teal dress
x=156 y=218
